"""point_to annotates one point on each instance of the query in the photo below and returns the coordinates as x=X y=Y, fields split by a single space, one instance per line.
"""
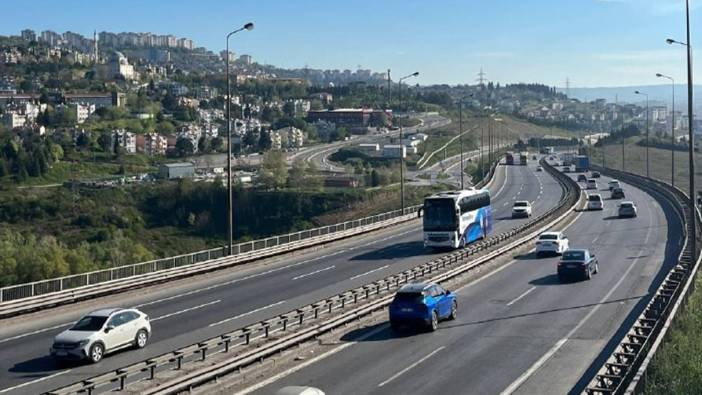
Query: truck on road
x=582 y=163
x=509 y=158
x=523 y=157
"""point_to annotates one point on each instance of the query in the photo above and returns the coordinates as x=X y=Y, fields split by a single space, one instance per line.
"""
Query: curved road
x=519 y=330
x=186 y=311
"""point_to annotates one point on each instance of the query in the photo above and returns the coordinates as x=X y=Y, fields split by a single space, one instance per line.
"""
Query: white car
x=551 y=242
x=521 y=208
x=614 y=184
x=591 y=184
x=102 y=332
x=595 y=202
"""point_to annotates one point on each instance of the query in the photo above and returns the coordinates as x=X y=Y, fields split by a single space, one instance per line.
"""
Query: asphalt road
x=519 y=330
x=188 y=311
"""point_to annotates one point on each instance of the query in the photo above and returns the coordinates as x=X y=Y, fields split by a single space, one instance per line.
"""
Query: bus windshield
x=440 y=215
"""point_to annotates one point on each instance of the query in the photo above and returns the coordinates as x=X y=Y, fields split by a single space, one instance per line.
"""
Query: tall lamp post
x=691 y=136
x=460 y=131
x=230 y=213
x=647 y=129
x=402 y=158
x=672 y=130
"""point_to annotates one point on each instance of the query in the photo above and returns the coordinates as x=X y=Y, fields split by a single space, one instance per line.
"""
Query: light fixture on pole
x=460 y=131
x=647 y=130
x=230 y=213
x=402 y=144
x=672 y=130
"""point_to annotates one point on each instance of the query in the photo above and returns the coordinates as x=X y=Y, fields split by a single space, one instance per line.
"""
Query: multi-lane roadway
x=187 y=311
x=519 y=330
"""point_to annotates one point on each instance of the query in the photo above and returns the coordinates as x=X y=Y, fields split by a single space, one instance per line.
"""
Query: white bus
x=456 y=218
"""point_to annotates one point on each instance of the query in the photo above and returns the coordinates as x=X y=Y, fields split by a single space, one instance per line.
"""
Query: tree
x=105 y=142
x=216 y=144
x=264 y=141
x=203 y=145
x=289 y=109
x=165 y=127
x=274 y=170
x=184 y=147
x=250 y=138
x=83 y=140
x=379 y=118
x=296 y=177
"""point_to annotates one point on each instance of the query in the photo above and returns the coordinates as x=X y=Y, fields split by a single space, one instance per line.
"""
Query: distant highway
x=518 y=330
x=184 y=312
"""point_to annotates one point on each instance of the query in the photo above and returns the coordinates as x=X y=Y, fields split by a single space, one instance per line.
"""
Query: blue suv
x=422 y=304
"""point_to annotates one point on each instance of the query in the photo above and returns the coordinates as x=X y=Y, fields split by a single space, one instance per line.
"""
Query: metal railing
x=44 y=287
x=243 y=347
x=624 y=371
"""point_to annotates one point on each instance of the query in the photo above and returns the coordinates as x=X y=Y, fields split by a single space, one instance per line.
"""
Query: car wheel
x=454 y=311
x=597 y=268
x=97 y=351
x=141 y=338
x=588 y=274
x=434 y=324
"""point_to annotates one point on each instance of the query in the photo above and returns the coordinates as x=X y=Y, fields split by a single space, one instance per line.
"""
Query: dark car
x=595 y=174
x=627 y=210
x=577 y=263
x=422 y=304
x=582 y=178
x=617 y=193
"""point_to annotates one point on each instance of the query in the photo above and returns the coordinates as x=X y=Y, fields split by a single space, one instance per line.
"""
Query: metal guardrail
x=625 y=369
x=251 y=344
x=44 y=287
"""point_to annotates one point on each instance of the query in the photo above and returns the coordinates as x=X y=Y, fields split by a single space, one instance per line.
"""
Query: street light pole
x=402 y=158
x=691 y=136
x=647 y=129
x=230 y=212
x=672 y=131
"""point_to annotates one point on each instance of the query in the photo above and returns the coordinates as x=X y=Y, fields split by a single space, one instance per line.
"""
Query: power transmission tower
x=481 y=77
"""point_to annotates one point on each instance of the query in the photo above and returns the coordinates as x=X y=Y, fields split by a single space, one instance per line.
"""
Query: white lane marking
x=35 y=332
x=537 y=365
x=368 y=272
x=247 y=313
x=504 y=182
x=309 y=362
x=236 y=280
x=314 y=272
x=521 y=296
x=405 y=370
x=34 y=381
x=186 y=310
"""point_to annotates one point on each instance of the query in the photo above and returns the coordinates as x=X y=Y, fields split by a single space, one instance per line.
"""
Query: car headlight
x=83 y=343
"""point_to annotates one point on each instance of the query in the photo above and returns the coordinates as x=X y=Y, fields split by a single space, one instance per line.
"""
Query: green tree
x=274 y=170
x=165 y=127
x=184 y=147
x=217 y=144
x=289 y=109
x=264 y=141
x=298 y=173
x=105 y=142
x=203 y=145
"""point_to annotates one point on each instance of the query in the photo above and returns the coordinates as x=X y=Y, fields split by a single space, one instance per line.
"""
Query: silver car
x=102 y=332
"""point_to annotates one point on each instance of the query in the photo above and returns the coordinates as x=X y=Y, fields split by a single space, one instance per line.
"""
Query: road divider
x=189 y=367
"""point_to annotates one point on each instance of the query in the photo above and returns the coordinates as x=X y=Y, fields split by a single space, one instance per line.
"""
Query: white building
x=369 y=147
x=83 y=111
x=276 y=140
x=119 y=67
x=124 y=139
x=155 y=144
x=12 y=119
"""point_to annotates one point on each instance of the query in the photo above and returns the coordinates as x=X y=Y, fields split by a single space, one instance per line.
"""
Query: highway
x=187 y=311
x=519 y=330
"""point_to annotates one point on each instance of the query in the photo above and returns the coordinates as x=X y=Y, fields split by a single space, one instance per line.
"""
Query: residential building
x=246 y=59
x=98 y=99
x=177 y=170
x=124 y=139
x=185 y=43
x=13 y=119
x=347 y=117
x=28 y=35
x=83 y=111
x=223 y=55
x=119 y=67
x=155 y=144
x=276 y=140
x=324 y=97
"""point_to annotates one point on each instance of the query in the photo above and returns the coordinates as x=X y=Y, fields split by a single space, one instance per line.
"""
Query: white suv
x=102 y=332
x=594 y=202
x=614 y=184
x=521 y=208
x=551 y=242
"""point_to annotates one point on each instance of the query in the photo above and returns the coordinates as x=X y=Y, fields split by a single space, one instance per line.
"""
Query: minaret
x=95 y=47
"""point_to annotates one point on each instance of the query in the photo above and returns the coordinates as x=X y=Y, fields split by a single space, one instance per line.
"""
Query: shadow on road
x=44 y=364
x=395 y=251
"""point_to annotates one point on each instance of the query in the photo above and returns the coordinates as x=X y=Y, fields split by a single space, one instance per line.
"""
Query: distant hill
x=658 y=94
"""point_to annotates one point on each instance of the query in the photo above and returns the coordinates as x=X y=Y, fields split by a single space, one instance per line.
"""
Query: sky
x=593 y=43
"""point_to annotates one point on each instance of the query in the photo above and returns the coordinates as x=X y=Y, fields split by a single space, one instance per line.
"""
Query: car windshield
x=573 y=255
x=409 y=297
x=521 y=204
x=548 y=237
x=594 y=198
x=89 y=323
x=626 y=205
